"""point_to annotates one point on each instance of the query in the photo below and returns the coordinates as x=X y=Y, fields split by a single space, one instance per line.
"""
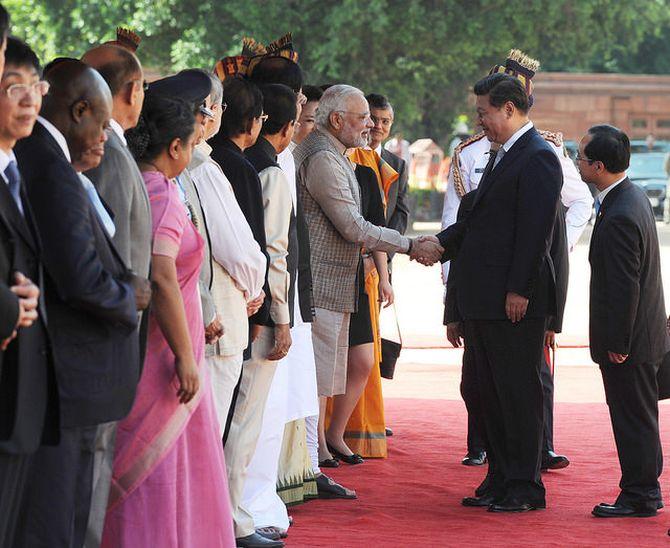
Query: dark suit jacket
x=627 y=311
x=249 y=194
x=503 y=245
x=397 y=210
x=28 y=393
x=91 y=311
x=558 y=253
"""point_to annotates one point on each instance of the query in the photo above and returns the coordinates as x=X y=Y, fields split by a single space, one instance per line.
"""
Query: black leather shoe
x=388 y=432
x=257 y=541
x=621 y=511
x=354 y=458
x=515 y=505
x=484 y=501
x=552 y=461
x=329 y=463
x=328 y=489
x=474 y=459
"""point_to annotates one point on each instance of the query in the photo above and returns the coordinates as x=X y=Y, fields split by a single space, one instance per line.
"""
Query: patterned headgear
x=522 y=67
x=127 y=39
x=253 y=53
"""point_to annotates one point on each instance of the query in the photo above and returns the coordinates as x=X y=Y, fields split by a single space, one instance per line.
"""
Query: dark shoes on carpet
x=622 y=511
x=328 y=489
x=272 y=532
x=474 y=458
x=354 y=458
x=513 y=504
x=329 y=463
x=552 y=461
x=389 y=432
x=257 y=541
x=483 y=501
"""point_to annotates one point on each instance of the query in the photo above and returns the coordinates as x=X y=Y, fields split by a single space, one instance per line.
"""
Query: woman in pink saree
x=169 y=486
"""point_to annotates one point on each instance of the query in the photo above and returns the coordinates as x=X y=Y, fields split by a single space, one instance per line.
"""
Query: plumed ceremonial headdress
x=253 y=53
x=127 y=39
x=521 y=66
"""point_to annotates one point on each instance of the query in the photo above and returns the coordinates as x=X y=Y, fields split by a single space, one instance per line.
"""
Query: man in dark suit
x=397 y=209
x=505 y=290
x=91 y=300
x=627 y=328
x=28 y=396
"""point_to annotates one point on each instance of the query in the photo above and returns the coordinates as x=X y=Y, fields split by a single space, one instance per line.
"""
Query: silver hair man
x=344 y=112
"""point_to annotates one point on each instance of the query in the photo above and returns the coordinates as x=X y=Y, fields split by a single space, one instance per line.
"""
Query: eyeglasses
x=360 y=115
x=16 y=92
x=205 y=111
x=584 y=159
x=263 y=118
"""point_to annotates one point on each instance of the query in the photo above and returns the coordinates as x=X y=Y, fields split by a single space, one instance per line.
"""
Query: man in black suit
x=28 y=396
x=91 y=300
x=505 y=290
x=627 y=328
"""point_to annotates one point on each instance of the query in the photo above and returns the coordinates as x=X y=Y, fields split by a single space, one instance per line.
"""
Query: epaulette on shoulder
x=554 y=137
x=456 y=166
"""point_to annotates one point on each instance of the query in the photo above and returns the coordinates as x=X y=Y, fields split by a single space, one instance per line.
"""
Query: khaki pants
x=225 y=372
x=105 y=440
x=245 y=428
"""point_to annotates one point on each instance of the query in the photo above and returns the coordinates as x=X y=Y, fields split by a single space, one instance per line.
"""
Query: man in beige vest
x=331 y=200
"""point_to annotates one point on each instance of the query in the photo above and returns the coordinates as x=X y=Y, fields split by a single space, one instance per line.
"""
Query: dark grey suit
x=627 y=316
x=397 y=209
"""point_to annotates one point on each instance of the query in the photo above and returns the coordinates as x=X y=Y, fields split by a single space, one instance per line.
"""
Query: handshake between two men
x=426 y=250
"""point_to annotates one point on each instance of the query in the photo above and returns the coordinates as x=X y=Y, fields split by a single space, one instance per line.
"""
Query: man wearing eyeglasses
x=382 y=115
x=119 y=182
x=627 y=330
x=29 y=407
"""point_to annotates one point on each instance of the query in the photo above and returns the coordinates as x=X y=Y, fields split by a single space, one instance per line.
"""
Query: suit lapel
x=610 y=198
x=13 y=217
x=507 y=160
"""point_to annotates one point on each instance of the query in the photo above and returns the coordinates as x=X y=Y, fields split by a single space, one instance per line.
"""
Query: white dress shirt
x=116 y=128
x=100 y=209
x=600 y=198
x=57 y=135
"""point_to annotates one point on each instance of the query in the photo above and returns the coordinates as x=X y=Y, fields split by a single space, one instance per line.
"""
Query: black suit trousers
x=13 y=475
x=631 y=390
x=507 y=358
x=58 y=497
x=470 y=394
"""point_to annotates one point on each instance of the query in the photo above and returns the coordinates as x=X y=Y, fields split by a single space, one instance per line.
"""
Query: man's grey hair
x=334 y=99
x=216 y=94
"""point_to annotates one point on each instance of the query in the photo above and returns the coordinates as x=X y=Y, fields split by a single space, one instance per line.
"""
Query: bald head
x=117 y=65
x=122 y=71
x=79 y=104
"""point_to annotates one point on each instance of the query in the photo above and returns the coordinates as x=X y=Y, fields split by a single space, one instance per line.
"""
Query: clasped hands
x=28 y=294
x=426 y=250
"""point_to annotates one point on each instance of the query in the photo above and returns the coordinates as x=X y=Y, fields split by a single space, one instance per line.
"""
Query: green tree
x=423 y=54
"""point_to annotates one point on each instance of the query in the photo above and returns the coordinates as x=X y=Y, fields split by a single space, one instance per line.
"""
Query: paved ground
x=429 y=368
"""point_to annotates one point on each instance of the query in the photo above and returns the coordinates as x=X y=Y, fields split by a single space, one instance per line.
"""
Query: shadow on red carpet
x=413 y=497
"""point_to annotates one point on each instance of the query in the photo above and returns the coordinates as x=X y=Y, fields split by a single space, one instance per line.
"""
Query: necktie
x=597 y=205
x=100 y=210
x=14 y=183
x=487 y=170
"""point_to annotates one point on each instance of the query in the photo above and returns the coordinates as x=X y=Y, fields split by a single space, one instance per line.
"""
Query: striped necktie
x=14 y=183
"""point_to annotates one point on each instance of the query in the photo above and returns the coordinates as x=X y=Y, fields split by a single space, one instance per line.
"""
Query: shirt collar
x=205 y=148
x=116 y=127
x=57 y=135
x=603 y=193
x=5 y=160
x=267 y=148
x=378 y=150
x=517 y=135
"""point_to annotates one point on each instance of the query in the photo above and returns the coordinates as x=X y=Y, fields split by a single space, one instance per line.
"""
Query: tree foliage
x=423 y=54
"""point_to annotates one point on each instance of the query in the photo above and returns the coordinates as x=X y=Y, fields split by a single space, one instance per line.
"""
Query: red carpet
x=413 y=498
